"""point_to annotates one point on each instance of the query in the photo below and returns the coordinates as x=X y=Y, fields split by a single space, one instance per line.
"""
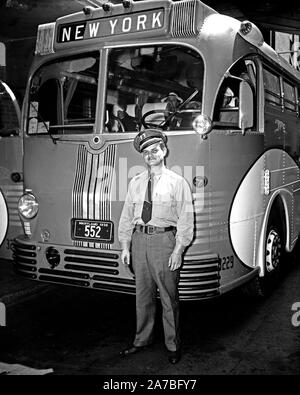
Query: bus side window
x=289 y=92
x=272 y=88
x=226 y=107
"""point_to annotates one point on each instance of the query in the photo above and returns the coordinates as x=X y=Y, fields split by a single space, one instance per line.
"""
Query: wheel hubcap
x=273 y=250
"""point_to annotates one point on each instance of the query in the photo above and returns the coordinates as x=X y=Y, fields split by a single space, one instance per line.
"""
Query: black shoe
x=174 y=356
x=131 y=350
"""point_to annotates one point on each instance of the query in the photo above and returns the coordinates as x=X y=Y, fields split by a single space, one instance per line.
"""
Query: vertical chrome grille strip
x=85 y=192
x=92 y=191
x=98 y=189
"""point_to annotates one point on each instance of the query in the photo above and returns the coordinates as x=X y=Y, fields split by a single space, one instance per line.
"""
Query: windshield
x=157 y=86
x=63 y=96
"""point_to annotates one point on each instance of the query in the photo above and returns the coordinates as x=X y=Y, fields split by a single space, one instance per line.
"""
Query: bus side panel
x=189 y=156
x=282 y=132
x=228 y=169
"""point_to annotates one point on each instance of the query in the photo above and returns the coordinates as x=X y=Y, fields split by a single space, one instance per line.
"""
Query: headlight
x=202 y=125
x=28 y=206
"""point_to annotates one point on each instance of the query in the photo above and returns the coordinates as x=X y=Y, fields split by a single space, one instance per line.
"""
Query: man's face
x=173 y=101
x=154 y=155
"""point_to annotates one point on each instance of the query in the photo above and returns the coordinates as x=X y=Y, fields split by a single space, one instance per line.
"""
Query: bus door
x=236 y=180
x=11 y=186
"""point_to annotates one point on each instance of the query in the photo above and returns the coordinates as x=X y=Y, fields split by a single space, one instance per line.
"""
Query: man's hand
x=175 y=261
x=125 y=257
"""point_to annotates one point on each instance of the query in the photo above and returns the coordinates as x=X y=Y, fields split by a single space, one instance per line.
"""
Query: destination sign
x=105 y=27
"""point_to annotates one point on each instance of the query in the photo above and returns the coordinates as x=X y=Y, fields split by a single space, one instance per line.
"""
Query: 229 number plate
x=95 y=231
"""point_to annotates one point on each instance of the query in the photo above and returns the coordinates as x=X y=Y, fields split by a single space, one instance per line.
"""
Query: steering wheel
x=119 y=122
x=161 y=124
x=168 y=119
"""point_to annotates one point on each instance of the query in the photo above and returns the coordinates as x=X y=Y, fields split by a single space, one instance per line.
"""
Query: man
x=157 y=221
x=129 y=123
x=173 y=102
x=229 y=110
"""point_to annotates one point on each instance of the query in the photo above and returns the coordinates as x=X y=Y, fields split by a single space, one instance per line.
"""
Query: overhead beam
x=20 y=18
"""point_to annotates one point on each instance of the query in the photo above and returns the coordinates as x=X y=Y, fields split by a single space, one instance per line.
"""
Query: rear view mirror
x=246 y=109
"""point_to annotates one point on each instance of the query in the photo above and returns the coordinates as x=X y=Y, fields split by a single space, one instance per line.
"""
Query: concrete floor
x=80 y=332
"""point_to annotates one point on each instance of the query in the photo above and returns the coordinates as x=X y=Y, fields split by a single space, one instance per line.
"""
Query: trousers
x=150 y=258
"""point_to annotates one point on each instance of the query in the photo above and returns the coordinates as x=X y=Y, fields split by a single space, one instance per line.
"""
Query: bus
x=11 y=186
x=101 y=75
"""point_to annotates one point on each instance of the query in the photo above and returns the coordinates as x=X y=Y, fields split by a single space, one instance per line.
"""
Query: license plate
x=96 y=231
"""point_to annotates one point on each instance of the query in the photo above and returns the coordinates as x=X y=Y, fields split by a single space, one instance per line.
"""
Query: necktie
x=147 y=207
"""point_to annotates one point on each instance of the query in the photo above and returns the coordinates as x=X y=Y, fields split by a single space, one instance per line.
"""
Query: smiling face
x=154 y=155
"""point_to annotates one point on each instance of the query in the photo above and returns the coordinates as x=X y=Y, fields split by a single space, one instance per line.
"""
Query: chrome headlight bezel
x=202 y=125
x=28 y=206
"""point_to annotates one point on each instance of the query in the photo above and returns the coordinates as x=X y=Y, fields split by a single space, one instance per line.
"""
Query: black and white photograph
x=149 y=191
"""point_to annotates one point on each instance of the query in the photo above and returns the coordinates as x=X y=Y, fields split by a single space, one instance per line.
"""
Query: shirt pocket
x=164 y=206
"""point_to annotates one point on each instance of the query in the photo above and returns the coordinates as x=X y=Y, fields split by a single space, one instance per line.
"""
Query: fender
x=284 y=196
x=253 y=201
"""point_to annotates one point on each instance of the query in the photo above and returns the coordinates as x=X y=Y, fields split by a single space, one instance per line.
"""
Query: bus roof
x=130 y=21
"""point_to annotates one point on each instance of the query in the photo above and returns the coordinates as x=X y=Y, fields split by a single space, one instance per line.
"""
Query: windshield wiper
x=195 y=93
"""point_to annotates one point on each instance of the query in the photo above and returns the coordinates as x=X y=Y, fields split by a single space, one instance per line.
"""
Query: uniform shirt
x=171 y=205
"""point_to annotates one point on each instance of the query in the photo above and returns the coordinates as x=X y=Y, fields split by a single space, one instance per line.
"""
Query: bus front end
x=99 y=77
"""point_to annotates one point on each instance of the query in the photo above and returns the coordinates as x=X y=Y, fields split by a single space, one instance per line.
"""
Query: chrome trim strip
x=92 y=191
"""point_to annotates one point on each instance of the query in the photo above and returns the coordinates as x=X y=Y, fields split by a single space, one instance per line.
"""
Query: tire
x=274 y=257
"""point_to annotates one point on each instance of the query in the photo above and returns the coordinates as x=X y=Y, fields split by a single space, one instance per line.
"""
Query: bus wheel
x=273 y=260
x=274 y=254
x=273 y=251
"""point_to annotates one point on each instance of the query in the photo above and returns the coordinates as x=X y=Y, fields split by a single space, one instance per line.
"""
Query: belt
x=151 y=230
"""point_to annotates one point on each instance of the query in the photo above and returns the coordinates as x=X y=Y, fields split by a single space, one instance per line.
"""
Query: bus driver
x=157 y=218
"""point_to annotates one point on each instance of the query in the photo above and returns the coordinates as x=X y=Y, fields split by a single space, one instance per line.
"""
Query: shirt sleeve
x=126 y=219
x=185 y=212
